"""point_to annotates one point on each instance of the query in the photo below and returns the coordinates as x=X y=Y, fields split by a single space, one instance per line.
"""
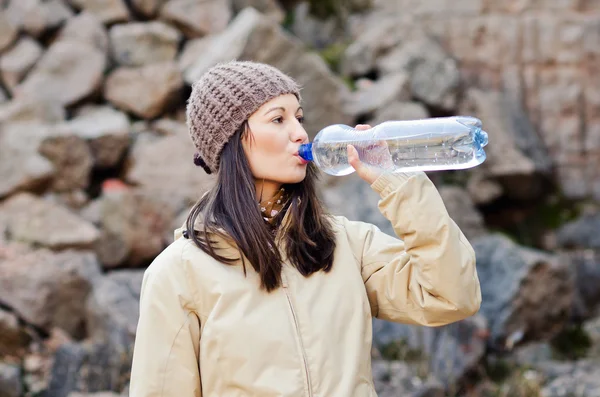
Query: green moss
x=400 y=350
x=333 y=55
x=571 y=344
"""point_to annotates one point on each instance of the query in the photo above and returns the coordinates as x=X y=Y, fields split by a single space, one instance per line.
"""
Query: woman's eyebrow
x=282 y=109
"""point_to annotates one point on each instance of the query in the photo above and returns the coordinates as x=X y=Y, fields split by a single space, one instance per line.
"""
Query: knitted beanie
x=226 y=96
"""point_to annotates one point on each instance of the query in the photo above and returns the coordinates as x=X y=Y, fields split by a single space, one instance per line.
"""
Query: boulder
x=143 y=43
x=147 y=8
x=372 y=96
x=36 y=17
x=397 y=378
x=516 y=157
x=462 y=210
x=68 y=72
x=85 y=27
x=270 y=8
x=399 y=110
x=16 y=62
x=32 y=110
x=253 y=36
x=197 y=18
x=146 y=91
x=8 y=31
x=49 y=289
x=13 y=338
x=10 y=380
x=527 y=294
x=36 y=221
x=107 y=11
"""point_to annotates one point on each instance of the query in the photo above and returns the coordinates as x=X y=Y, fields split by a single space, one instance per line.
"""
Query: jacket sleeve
x=166 y=351
x=427 y=276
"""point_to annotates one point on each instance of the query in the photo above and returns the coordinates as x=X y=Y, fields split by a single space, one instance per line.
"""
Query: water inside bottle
x=423 y=152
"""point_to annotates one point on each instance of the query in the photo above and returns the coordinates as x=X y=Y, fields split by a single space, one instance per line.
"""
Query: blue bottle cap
x=305 y=151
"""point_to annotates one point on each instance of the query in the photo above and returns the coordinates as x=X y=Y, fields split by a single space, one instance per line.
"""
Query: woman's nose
x=299 y=135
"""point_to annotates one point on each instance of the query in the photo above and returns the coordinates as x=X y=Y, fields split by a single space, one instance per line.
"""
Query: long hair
x=230 y=210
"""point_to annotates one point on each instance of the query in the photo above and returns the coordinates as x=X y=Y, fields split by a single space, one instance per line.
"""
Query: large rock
x=177 y=181
x=145 y=91
x=197 y=18
x=8 y=31
x=10 y=380
x=462 y=210
x=253 y=36
x=142 y=43
x=38 y=16
x=134 y=226
x=400 y=111
x=32 y=110
x=516 y=157
x=581 y=233
x=13 y=338
x=15 y=63
x=67 y=73
x=107 y=11
x=21 y=166
x=105 y=129
x=33 y=220
x=50 y=289
x=147 y=8
x=88 y=29
x=372 y=96
x=448 y=353
x=270 y=8
x=397 y=378
x=527 y=294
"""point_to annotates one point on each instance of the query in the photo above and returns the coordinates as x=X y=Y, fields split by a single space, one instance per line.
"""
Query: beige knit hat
x=226 y=96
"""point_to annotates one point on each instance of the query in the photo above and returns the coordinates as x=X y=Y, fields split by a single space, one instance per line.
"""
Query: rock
x=21 y=166
x=579 y=378
x=197 y=18
x=107 y=11
x=133 y=228
x=88 y=29
x=527 y=294
x=3 y=96
x=316 y=31
x=106 y=130
x=49 y=289
x=67 y=73
x=482 y=190
x=10 y=380
x=516 y=159
x=143 y=43
x=16 y=62
x=396 y=378
x=147 y=8
x=462 y=210
x=376 y=95
x=8 y=31
x=434 y=76
x=399 y=111
x=580 y=233
x=252 y=36
x=33 y=220
x=145 y=91
x=31 y=110
x=592 y=329
x=99 y=394
x=447 y=353
x=13 y=339
x=192 y=51
x=36 y=17
x=270 y=8
x=177 y=182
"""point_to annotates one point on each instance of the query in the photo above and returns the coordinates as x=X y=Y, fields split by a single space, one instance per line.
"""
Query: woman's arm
x=166 y=351
x=428 y=277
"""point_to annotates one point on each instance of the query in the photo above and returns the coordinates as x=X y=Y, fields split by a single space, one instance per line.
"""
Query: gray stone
x=253 y=36
x=143 y=43
x=32 y=110
x=462 y=210
x=10 y=380
x=85 y=27
x=527 y=294
x=50 y=289
x=197 y=18
x=192 y=51
x=33 y=220
x=67 y=73
x=16 y=62
x=581 y=233
x=148 y=8
x=145 y=91
x=270 y=8
x=107 y=11
x=397 y=378
x=106 y=130
x=8 y=31
x=372 y=96
x=13 y=338
x=399 y=111
x=38 y=16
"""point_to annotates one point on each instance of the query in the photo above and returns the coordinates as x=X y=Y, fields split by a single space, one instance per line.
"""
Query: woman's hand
x=376 y=154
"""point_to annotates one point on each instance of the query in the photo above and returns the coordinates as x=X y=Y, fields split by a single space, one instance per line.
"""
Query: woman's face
x=271 y=145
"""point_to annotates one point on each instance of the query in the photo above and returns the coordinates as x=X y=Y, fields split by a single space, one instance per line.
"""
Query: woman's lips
x=302 y=161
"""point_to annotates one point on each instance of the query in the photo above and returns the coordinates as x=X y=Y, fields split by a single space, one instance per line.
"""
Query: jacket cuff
x=387 y=182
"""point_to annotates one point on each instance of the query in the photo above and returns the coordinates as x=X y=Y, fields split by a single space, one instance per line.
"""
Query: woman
x=263 y=293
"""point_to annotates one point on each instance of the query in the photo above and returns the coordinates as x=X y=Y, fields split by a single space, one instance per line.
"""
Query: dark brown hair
x=231 y=206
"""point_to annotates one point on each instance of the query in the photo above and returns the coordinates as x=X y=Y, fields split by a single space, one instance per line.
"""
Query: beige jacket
x=206 y=330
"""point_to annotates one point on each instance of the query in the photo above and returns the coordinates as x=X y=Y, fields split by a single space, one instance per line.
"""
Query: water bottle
x=434 y=144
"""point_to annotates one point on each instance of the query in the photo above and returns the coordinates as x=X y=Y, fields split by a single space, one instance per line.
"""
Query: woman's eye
x=300 y=119
x=278 y=120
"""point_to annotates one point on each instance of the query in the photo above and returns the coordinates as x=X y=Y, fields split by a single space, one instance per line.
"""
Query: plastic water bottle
x=435 y=144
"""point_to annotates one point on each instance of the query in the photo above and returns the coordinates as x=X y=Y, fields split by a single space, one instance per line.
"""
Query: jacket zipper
x=304 y=359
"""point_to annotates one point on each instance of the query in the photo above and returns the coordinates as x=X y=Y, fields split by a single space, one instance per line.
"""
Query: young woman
x=263 y=293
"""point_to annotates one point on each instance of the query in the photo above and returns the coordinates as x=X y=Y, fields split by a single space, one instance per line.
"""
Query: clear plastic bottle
x=435 y=144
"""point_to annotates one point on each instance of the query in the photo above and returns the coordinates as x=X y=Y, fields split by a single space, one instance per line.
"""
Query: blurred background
x=96 y=171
